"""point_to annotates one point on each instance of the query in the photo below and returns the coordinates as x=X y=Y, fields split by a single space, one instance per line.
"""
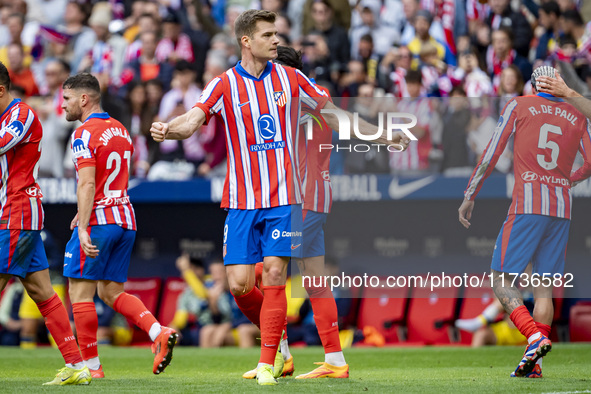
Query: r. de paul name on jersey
x=549 y=110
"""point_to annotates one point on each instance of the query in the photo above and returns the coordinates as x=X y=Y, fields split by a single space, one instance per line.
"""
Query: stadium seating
x=473 y=303
x=580 y=322
x=426 y=307
x=384 y=309
x=147 y=290
x=173 y=287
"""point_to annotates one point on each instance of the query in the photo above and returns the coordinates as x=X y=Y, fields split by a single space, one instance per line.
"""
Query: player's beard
x=73 y=115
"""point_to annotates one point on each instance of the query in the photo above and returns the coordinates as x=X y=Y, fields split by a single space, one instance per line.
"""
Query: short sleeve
x=211 y=100
x=82 y=151
x=310 y=94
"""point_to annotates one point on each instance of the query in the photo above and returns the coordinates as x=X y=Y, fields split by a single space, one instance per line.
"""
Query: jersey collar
x=98 y=115
x=245 y=73
x=549 y=96
x=12 y=104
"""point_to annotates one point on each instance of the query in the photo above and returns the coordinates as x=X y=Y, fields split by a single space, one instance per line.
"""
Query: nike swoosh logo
x=294 y=247
x=398 y=191
x=243 y=104
x=269 y=345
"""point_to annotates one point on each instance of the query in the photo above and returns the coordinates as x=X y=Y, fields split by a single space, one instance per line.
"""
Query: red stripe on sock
x=134 y=309
x=250 y=304
x=58 y=324
x=544 y=329
x=523 y=321
x=273 y=312
x=86 y=322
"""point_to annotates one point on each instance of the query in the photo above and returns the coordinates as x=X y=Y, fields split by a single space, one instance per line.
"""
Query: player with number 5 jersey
x=548 y=133
x=98 y=254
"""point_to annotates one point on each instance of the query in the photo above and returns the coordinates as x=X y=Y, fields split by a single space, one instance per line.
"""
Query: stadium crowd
x=454 y=63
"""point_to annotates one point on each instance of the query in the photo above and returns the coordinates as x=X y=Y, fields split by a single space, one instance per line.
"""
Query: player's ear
x=245 y=41
x=2 y=90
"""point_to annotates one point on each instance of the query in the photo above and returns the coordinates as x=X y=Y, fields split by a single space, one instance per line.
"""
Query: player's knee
x=239 y=288
x=107 y=297
x=273 y=276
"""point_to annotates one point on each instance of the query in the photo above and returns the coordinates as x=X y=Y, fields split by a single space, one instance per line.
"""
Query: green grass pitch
x=429 y=369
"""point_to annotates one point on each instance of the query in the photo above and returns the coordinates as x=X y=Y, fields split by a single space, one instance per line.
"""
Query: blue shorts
x=536 y=238
x=252 y=234
x=21 y=252
x=314 y=234
x=112 y=263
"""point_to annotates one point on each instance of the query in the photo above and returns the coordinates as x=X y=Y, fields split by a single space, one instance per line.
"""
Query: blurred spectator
x=316 y=57
x=456 y=120
x=339 y=11
x=393 y=68
x=137 y=119
x=422 y=23
x=20 y=74
x=108 y=53
x=16 y=23
x=55 y=126
x=213 y=134
x=131 y=23
x=476 y=82
x=410 y=8
x=352 y=79
x=47 y=12
x=323 y=17
x=146 y=23
x=82 y=38
x=500 y=55
x=383 y=36
x=550 y=22
x=502 y=15
x=147 y=67
x=365 y=53
x=416 y=157
x=435 y=81
x=179 y=159
x=216 y=319
x=174 y=45
x=511 y=85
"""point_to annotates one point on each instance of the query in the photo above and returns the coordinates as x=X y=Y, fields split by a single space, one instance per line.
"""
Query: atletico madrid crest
x=280 y=98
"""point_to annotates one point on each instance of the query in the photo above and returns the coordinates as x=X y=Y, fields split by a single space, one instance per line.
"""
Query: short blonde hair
x=246 y=23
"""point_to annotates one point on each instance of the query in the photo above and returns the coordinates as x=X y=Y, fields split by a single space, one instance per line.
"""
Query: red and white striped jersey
x=314 y=161
x=261 y=121
x=20 y=150
x=416 y=156
x=102 y=142
x=547 y=132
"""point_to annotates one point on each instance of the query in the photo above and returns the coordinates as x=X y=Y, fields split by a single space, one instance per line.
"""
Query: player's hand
x=555 y=86
x=159 y=131
x=89 y=249
x=400 y=141
x=74 y=222
x=465 y=212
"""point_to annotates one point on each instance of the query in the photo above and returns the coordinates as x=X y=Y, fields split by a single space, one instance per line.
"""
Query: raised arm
x=180 y=128
x=557 y=87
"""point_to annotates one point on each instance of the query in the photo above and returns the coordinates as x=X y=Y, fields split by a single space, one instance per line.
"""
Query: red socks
x=544 y=329
x=58 y=324
x=523 y=321
x=326 y=317
x=132 y=308
x=250 y=304
x=86 y=322
x=273 y=311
